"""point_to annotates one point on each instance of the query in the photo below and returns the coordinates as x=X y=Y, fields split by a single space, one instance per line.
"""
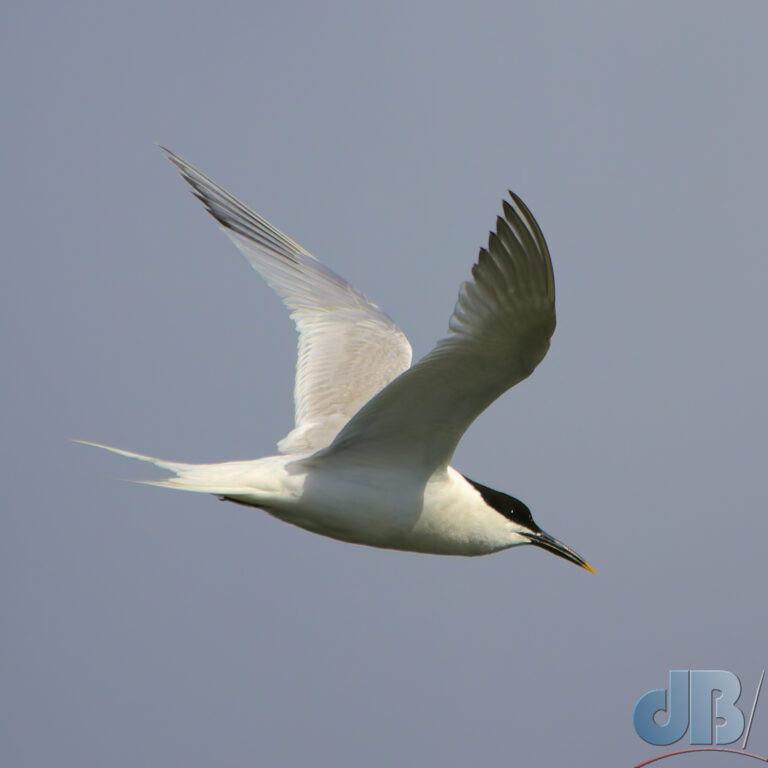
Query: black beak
x=551 y=544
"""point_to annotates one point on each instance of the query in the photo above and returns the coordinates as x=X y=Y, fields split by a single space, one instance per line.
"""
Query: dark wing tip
x=174 y=158
x=521 y=212
x=233 y=214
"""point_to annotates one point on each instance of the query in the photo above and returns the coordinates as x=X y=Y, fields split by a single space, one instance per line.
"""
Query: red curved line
x=703 y=749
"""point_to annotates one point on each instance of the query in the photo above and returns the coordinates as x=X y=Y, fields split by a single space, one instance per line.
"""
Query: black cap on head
x=513 y=509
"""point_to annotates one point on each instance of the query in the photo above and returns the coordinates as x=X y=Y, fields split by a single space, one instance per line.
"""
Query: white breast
x=382 y=508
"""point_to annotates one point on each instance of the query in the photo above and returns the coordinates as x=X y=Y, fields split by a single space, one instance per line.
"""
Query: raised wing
x=348 y=348
x=499 y=332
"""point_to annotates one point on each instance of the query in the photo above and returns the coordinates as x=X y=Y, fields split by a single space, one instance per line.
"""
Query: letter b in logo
x=690 y=697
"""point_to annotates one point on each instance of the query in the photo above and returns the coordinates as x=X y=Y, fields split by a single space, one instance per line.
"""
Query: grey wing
x=499 y=332
x=348 y=348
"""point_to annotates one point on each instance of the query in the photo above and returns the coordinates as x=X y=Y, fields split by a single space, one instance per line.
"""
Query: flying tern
x=368 y=460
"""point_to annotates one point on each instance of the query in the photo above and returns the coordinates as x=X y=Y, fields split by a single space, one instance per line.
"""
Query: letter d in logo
x=653 y=701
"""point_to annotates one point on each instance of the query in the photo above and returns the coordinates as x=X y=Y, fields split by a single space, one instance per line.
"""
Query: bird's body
x=444 y=514
x=368 y=461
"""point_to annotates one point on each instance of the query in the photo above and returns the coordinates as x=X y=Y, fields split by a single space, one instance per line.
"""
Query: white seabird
x=368 y=460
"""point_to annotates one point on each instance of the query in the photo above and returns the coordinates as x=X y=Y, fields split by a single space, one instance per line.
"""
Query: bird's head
x=524 y=528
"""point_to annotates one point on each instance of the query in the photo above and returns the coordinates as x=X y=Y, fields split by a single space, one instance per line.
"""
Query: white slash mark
x=752 y=713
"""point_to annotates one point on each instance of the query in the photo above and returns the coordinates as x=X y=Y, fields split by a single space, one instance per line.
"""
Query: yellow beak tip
x=588 y=567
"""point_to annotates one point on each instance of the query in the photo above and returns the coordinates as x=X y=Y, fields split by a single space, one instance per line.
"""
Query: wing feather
x=499 y=332
x=348 y=349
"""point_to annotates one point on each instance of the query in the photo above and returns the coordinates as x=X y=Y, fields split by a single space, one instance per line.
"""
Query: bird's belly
x=353 y=511
x=382 y=509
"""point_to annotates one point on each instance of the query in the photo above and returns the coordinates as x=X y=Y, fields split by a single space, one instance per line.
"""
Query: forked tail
x=202 y=478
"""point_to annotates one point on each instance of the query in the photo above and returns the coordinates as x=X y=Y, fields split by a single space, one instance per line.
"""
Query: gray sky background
x=140 y=627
